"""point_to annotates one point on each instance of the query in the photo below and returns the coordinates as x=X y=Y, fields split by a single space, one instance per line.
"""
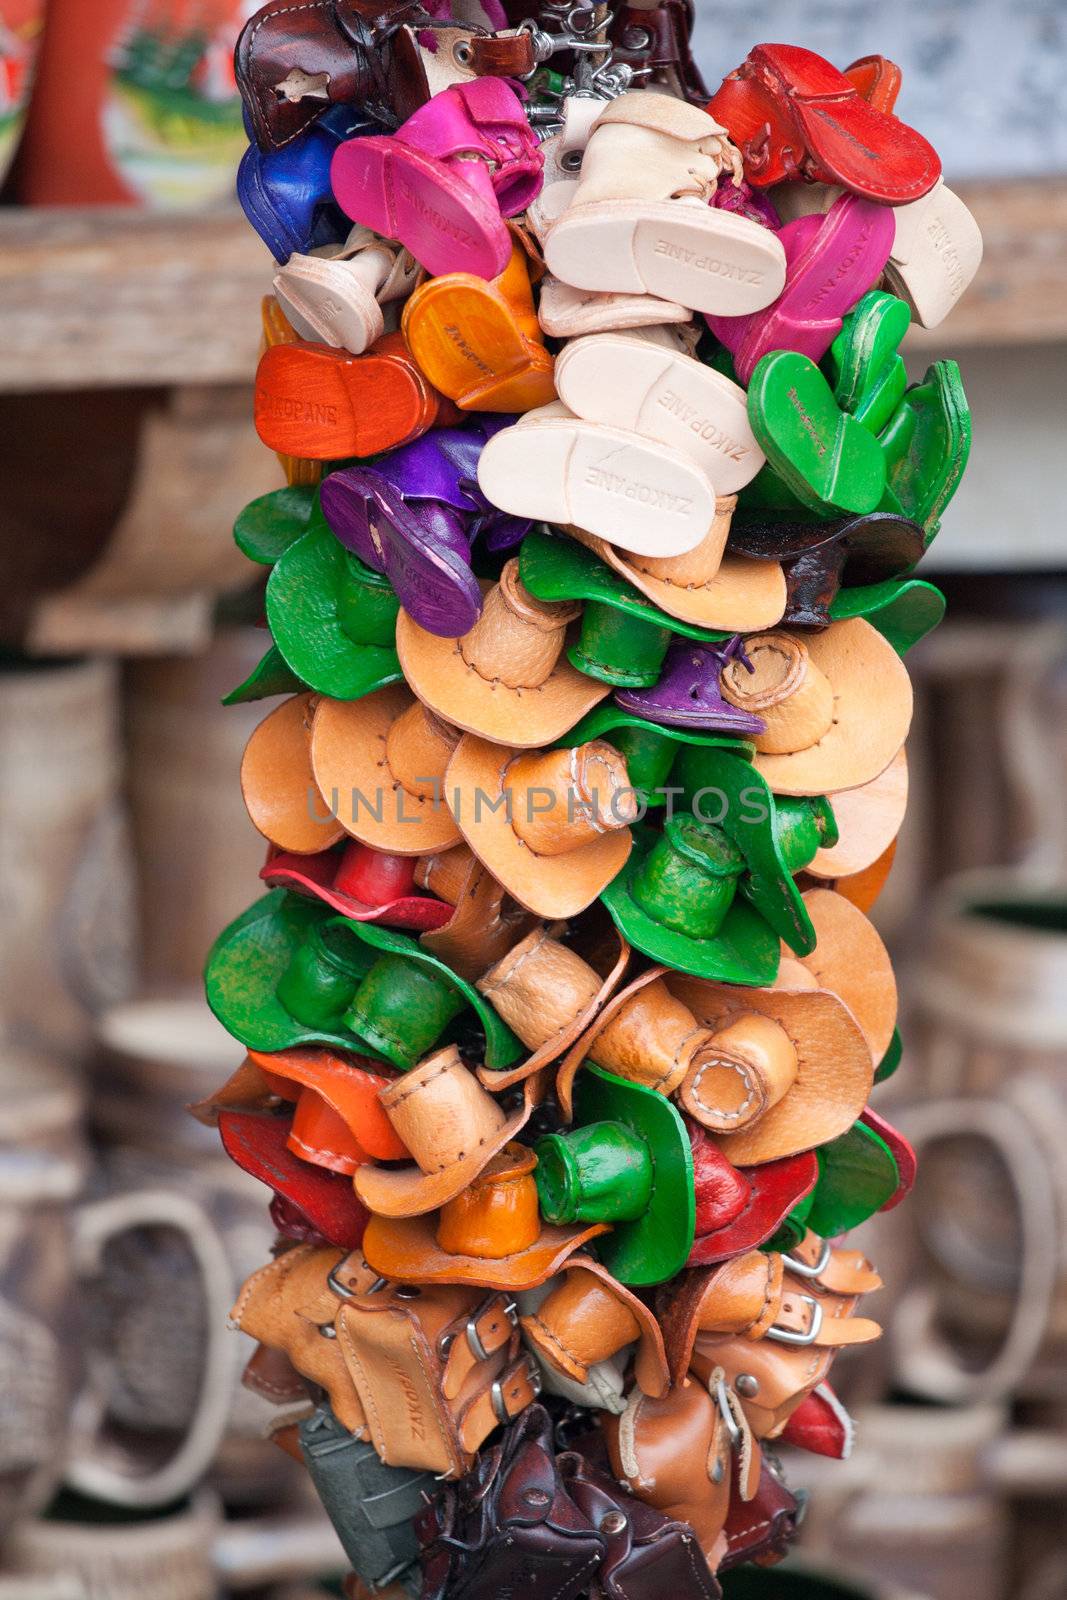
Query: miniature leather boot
x=335 y=295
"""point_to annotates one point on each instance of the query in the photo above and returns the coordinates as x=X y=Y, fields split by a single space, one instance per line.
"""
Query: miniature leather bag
x=437 y=1369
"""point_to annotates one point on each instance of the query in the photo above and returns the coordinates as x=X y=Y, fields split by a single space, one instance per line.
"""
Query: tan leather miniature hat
x=705 y=587
x=868 y=821
x=836 y=705
x=453 y=1128
x=278 y=783
x=380 y=762
x=851 y=961
x=486 y=921
x=507 y=679
x=548 y=994
x=590 y=1317
x=554 y=857
x=490 y=1236
x=644 y=1033
x=784 y=1070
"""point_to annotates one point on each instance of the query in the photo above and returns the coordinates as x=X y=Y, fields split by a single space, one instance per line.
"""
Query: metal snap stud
x=747 y=1386
x=614 y=1523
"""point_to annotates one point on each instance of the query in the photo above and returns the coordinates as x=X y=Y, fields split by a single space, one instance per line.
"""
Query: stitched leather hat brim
x=851 y=961
x=550 y=886
x=775 y=1188
x=835 y=1070
x=521 y=718
x=311 y=875
x=348 y=756
x=277 y=780
x=405 y=1249
x=348 y=1089
x=256 y=1142
x=584 y=1046
x=868 y=821
x=872 y=714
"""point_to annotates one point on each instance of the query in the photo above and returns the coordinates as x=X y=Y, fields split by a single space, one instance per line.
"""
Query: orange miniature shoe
x=323 y=404
x=277 y=329
x=480 y=342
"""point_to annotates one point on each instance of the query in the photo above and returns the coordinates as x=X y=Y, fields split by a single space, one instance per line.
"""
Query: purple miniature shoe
x=831 y=262
x=414 y=516
x=687 y=694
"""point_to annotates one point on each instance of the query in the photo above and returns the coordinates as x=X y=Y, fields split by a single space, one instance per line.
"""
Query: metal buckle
x=801 y=1268
x=342 y=1293
x=496 y=1393
x=474 y=1340
x=809 y=1334
x=719 y=1395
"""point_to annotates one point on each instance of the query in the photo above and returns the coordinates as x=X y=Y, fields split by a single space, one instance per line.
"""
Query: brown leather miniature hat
x=836 y=705
x=380 y=764
x=548 y=994
x=453 y=1128
x=278 y=783
x=784 y=1070
x=644 y=1033
x=753 y=1297
x=485 y=922
x=590 y=1317
x=704 y=587
x=550 y=825
x=851 y=961
x=868 y=821
x=507 y=679
x=489 y=1236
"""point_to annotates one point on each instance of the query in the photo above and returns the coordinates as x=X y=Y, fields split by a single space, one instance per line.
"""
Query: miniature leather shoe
x=831 y=262
x=335 y=295
x=323 y=404
x=359 y=883
x=822 y=1425
x=687 y=693
x=768 y=1084
x=639 y=220
x=313 y=1202
x=550 y=825
x=851 y=961
x=489 y=1236
x=414 y=517
x=480 y=343
x=937 y=250
x=740 y=1208
x=926 y=444
x=548 y=993
x=286 y=193
x=288 y=973
x=452 y=1127
x=642 y=495
x=793 y=115
x=568 y=313
x=381 y=761
x=587 y=1318
x=677 y=902
x=278 y=330
x=624 y=638
x=777 y=835
x=864 y=363
x=836 y=706
x=646 y=382
x=828 y=459
x=443 y=183
x=819 y=558
x=506 y=679
x=877 y=80
x=332 y=619
x=292 y=67
x=277 y=782
x=627 y=1161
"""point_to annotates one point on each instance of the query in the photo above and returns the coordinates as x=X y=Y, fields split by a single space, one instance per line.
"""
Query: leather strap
x=503 y=55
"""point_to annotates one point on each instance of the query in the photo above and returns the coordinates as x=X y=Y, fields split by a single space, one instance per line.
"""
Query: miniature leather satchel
x=512 y=1526
x=437 y=1369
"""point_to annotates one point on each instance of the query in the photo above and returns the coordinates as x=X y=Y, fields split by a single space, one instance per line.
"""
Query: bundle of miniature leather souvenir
x=588 y=599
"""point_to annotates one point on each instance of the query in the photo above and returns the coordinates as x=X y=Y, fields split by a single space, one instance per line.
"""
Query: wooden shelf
x=120 y=297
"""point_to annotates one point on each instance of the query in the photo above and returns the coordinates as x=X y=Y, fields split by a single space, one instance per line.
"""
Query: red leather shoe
x=793 y=115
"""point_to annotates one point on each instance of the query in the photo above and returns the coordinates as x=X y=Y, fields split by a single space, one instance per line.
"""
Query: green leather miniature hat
x=864 y=363
x=648 y=748
x=269 y=677
x=926 y=444
x=624 y=637
x=857 y=1176
x=289 y=971
x=776 y=835
x=677 y=901
x=904 y=610
x=266 y=527
x=627 y=1161
x=332 y=618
